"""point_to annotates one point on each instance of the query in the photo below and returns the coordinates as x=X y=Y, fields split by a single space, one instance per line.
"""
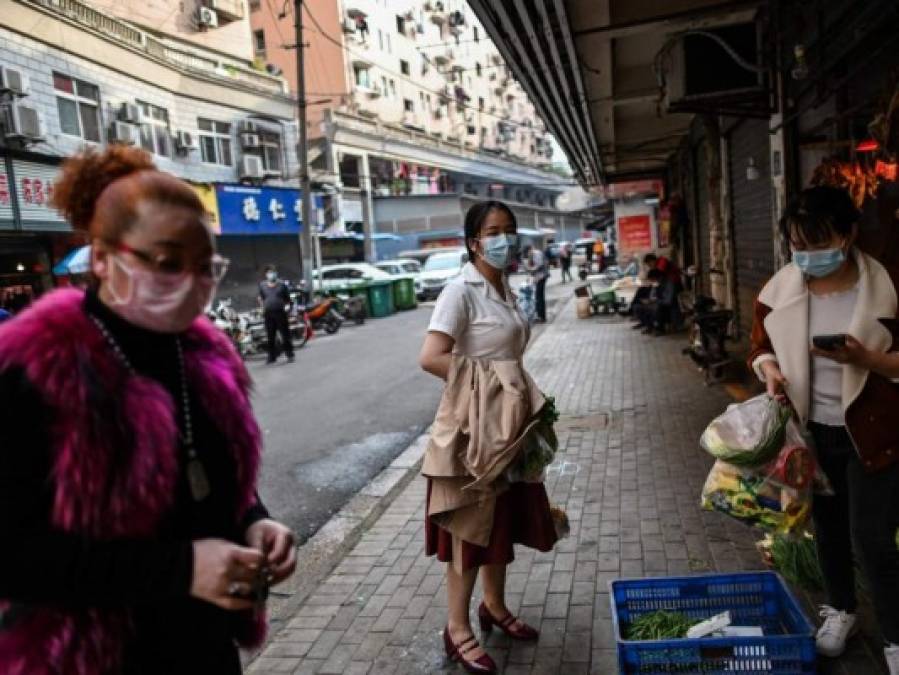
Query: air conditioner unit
x=251 y=167
x=250 y=140
x=185 y=141
x=208 y=18
x=690 y=84
x=246 y=127
x=13 y=81
x=232 y=9
x=129 y=112
x=124 y=133
x=22 y=122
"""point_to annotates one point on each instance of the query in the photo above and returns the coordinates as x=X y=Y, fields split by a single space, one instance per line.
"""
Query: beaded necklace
x=196 y=473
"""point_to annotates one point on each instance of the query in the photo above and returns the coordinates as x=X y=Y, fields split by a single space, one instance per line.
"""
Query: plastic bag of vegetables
x=749 y=433
x=756 y=499
x=538 y=449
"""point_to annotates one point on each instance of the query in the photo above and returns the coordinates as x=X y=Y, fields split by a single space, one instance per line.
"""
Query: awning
x=530 y=232
x=76 y=261
x=375 y=236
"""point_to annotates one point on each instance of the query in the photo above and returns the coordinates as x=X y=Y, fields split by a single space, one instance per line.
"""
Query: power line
x=436 y=92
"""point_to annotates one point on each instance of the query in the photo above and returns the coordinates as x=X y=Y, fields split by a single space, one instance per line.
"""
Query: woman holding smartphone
x=825 y=340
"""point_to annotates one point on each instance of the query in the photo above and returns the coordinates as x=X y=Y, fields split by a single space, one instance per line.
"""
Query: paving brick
x=633 y=507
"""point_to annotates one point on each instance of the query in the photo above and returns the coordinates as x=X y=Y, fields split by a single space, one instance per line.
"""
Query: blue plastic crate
x=754 y=599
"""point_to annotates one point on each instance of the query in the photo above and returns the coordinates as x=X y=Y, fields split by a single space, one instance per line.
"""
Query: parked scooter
x=350 y=307
x=234 y=325
x=319 y=314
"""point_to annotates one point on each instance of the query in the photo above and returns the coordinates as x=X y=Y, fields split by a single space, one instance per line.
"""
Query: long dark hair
x=474 y=220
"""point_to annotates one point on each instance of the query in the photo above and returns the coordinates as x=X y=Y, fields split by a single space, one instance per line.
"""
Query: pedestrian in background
x=565 y=262
x=846 y=393
x=476 y=317
x=535 y=265
x=274 y=297
x=599 y=252
x=134 y=538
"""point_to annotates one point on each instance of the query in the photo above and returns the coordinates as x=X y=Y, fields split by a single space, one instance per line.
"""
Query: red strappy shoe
x=483 y=665
x=524 y=632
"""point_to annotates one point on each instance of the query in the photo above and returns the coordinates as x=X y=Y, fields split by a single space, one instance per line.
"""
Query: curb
x=321 y=553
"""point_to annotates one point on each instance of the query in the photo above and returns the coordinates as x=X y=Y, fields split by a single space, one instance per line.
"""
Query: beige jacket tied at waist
x=487 y=408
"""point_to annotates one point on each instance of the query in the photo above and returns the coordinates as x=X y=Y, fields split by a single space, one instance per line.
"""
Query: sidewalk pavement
x=629 y=476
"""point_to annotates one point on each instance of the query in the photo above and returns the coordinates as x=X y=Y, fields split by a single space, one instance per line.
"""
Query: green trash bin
x=380 y=298
x=404 y=293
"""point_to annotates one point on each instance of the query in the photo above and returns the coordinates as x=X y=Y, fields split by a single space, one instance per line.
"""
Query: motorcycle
x=234 y=325
x=257 y=337
x=319 y=314
x=350 y=307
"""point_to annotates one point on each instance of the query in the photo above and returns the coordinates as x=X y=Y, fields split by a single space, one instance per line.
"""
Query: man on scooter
x=274 y=297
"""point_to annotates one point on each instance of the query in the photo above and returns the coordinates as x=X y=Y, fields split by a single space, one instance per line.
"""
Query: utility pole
x=306 y=247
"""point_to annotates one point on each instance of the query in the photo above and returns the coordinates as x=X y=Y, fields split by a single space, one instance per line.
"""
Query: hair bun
x=84 y=177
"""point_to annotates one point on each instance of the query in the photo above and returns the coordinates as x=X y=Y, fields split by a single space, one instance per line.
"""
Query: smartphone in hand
x=829 y=343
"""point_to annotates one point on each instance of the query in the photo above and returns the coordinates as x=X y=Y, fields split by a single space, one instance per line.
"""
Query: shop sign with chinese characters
x=34 y=192
x=6 y=216
x=247 y=210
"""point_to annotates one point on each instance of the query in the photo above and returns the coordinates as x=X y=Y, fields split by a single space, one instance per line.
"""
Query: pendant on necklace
x=197 y=479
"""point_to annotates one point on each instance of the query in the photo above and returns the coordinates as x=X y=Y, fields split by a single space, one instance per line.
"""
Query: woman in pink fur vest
x=133 y=538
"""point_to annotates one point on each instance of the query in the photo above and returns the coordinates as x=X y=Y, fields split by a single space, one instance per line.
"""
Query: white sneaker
x=837 y=628
x=891 y=654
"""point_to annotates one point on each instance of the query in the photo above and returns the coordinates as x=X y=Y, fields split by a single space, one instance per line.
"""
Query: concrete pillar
x=368 y=210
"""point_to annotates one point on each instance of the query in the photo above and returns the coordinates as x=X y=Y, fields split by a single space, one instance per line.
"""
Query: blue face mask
x=498 y=250
x=819 y=263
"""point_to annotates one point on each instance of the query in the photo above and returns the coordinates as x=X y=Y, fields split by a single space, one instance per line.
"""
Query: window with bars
x=155 y=134
x=259 y=41
x=215 y=142
x=78 y=103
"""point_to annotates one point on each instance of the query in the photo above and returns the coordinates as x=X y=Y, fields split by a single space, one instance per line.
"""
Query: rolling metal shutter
x=751 y=202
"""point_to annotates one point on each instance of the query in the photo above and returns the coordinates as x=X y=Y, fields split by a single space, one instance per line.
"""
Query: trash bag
x=747 y=434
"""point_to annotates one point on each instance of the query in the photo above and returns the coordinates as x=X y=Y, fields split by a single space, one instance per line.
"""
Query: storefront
x=33 y=235
x=259 y=226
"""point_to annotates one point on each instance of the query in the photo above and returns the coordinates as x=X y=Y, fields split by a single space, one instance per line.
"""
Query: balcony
x=372 y=91
x=183 y=59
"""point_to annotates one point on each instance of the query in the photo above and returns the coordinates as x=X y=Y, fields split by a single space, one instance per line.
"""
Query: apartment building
x=176 y=78
x=413 y=116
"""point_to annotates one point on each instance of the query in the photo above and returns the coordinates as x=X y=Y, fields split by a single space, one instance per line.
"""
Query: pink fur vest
x=61 y=352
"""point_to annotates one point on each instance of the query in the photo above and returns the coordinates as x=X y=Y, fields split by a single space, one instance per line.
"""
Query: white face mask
x=165 y=303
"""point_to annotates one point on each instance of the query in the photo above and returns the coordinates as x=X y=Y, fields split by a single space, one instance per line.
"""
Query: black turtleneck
x=39 y=565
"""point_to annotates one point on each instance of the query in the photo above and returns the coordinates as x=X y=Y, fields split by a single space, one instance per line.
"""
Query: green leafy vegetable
x=659 y=625
x=797 y=559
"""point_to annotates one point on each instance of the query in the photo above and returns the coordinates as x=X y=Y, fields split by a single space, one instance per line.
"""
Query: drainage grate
x=594 y=422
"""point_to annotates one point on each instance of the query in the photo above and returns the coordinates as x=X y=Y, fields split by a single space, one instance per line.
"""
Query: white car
x=334 y=276
x=402 y=267
x=438 y=270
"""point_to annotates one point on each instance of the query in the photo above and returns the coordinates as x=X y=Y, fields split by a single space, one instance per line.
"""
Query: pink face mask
x=165 y=303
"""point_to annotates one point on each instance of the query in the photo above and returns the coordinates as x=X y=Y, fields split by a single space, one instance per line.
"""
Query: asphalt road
x=347 y=406
x=340 y=413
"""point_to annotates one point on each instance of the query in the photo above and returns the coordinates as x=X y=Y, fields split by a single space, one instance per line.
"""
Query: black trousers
x=566 y=272
x=861 y=519
x=540 y=290
x=275 y=323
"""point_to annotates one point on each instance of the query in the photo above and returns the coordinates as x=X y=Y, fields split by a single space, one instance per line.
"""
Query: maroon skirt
x=521 y=516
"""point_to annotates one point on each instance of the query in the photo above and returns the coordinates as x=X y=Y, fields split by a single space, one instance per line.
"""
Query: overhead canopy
x=589 y=67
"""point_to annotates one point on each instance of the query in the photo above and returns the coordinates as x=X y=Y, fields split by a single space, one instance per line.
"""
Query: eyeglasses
x=213 y=268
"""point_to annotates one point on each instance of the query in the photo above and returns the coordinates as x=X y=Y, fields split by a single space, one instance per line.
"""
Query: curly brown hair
x=99 y=192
